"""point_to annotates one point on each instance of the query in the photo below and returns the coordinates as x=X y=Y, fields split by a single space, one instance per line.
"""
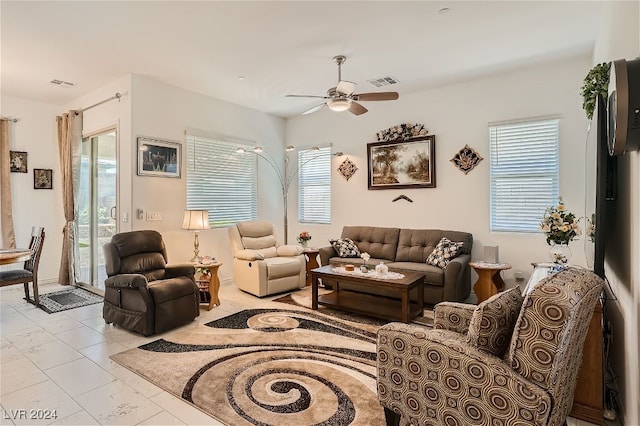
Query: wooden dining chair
x=29 y=272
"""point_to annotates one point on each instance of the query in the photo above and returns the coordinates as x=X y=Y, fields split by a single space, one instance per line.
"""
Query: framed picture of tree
x=409 y=163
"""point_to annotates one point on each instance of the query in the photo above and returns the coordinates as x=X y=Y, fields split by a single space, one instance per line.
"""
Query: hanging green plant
x=596 y=81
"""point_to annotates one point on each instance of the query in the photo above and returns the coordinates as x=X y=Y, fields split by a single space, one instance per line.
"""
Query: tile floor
x=59 y=363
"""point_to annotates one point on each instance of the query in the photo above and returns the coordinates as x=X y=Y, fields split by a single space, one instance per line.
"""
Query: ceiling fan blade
x=314 y=109
x=346 y=87
x=357 y=109
x=377 y=96
x=306 y=96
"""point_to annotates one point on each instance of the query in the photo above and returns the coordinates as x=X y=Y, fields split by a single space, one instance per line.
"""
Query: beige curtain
x=69 y=142
x=7 y=236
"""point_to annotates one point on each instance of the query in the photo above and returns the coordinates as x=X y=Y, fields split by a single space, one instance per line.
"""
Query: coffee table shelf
x=368 y=304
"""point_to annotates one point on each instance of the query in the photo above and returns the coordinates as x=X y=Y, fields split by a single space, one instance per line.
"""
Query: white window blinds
x=314 y=186
x=221 y=181
x=524 y=173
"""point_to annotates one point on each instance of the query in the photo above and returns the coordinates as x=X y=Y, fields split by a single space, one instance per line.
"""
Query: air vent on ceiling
x=383 y=81
x=62 y=83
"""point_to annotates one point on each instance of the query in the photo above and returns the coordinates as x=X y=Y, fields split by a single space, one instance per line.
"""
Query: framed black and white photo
x=402 y=164
x=158 y=157
x=18 y=161
x=42 y=179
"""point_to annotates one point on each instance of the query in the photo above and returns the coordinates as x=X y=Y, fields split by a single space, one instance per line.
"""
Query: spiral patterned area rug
x=282 y=365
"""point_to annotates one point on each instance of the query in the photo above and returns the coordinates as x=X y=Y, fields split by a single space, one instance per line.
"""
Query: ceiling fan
x=342 y=98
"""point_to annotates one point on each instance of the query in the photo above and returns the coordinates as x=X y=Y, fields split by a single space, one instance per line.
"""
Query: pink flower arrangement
x=304 y=236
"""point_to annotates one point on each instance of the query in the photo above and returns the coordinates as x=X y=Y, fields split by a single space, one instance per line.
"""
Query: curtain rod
x=116 y=96
x=12 y=119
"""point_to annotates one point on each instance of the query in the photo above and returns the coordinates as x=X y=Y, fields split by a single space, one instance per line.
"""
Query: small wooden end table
x=489 y=280
x=214 y=283
x=311 y=254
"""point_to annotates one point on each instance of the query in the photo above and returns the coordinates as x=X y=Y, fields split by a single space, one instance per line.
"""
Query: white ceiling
x=279 y=47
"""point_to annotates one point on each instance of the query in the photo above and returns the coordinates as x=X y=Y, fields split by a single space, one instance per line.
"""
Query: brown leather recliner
x=142 y=293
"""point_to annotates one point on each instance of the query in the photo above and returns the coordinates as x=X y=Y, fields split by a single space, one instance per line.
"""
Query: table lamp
x=196 y=220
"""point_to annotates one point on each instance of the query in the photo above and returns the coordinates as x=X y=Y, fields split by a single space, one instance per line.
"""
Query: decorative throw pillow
x=493 y=320
x=345 y=247
x=444 y=252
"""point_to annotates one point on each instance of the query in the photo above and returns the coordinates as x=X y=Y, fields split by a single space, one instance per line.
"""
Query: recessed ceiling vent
x=62 y=83
x=383 y=81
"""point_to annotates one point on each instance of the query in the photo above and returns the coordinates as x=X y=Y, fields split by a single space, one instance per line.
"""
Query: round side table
x=489 y=279
x=311 y=254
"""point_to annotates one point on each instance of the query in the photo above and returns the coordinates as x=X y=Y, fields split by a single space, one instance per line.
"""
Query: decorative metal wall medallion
x=347 y=168
x=466 y=159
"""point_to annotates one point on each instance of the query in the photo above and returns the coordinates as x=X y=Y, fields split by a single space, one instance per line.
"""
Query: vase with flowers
x=364 y=268
x=303 y=238
x=560 y=226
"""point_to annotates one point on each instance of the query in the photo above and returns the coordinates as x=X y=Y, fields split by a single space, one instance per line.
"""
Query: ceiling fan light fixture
x=339 y=105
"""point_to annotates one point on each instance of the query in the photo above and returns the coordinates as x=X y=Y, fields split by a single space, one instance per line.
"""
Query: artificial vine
x=596 y=81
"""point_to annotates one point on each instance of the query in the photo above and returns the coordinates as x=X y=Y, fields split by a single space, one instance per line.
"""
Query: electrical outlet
x=519 y=276
x=153 y=216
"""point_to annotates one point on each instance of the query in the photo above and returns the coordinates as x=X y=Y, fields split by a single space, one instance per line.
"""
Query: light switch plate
x=153 y=216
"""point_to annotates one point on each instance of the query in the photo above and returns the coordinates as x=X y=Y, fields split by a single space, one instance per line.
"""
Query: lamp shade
x=196 y=219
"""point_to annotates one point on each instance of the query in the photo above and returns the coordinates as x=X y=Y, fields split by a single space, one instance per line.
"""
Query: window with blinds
x=221 y=181
x=314 y=186
x=524 y=173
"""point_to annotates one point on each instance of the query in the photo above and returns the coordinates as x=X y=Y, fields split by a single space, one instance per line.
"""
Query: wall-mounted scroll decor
x=466 y=159
x=403 y=132
x=347 y=169
x=402 y=164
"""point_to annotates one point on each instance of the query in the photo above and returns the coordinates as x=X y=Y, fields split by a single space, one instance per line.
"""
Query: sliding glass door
x=97 y=206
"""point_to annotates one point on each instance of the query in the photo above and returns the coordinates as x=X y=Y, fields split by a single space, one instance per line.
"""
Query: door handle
x=113 y=213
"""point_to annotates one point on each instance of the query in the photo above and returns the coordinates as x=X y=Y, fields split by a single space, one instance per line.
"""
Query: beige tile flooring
x=60 y=362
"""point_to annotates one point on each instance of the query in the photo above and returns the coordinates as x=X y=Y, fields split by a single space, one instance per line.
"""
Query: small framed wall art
x=18 y=161
x=42 y=179
x=158 y=158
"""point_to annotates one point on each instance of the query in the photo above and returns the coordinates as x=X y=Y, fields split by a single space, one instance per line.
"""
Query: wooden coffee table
x=402 y=309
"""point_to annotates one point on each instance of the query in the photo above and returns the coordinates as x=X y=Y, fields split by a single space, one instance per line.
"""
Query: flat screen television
x=605 y=190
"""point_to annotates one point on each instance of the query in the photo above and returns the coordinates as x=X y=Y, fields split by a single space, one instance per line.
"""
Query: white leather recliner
x=260 y=266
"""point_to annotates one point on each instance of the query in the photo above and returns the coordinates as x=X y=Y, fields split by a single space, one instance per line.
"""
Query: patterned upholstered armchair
x=455 y=373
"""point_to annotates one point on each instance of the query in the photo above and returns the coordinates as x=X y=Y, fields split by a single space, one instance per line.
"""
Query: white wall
x=620 y=38
x=163 y=111
x=36 y=133
x=457 y=115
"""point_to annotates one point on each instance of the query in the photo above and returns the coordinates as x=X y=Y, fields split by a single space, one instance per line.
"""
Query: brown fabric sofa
x=408 y=249
x=439 y=376
x=142 y=293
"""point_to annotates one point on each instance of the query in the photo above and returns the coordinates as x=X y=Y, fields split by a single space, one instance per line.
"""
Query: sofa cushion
x=433 y=274
x=493 y=321
x=345 y=247
x=255 y=243
x=248 y=255
x=281 y=267
x=380 y=243
x=444 y=252
x=415 y=245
